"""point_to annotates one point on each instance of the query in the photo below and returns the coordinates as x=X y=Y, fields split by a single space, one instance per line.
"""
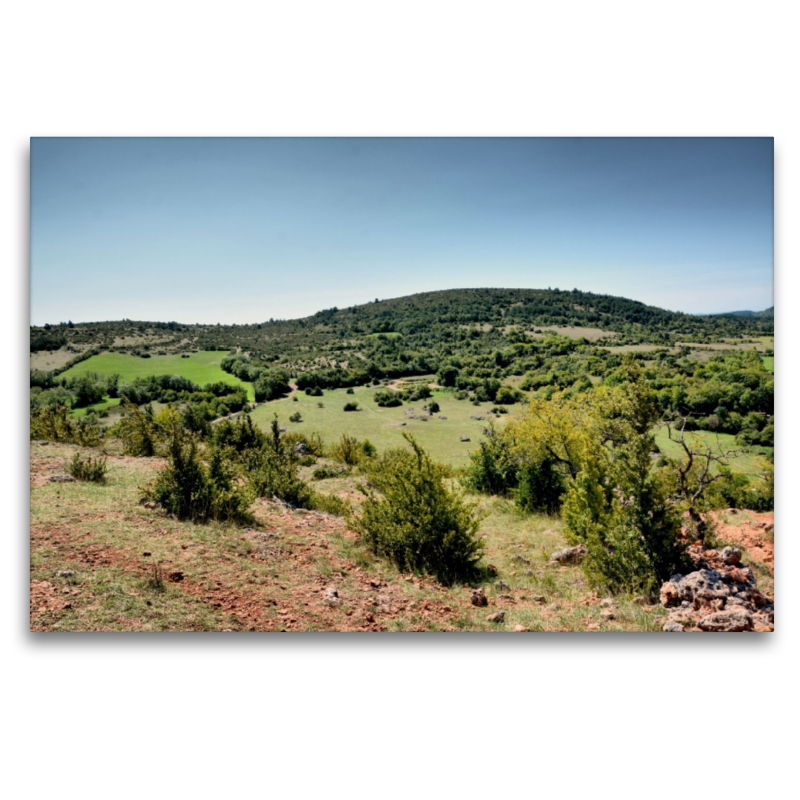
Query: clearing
x=202 y=368
x=384 y=427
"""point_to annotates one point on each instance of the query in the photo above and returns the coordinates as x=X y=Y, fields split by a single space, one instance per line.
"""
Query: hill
x=422 y=319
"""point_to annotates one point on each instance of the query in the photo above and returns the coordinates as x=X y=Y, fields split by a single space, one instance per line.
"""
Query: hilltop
x=425 y=321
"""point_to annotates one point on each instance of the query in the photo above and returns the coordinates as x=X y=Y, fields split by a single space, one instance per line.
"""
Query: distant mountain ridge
x=767 y=313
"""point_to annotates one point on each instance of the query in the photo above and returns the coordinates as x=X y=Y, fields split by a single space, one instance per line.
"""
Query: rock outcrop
x=720 y=595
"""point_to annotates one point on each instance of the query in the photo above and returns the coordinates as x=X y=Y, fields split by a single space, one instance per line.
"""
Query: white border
x=472 y=716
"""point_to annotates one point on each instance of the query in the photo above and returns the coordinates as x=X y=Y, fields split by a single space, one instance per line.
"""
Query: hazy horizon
x=365 y=302
x=243 y=230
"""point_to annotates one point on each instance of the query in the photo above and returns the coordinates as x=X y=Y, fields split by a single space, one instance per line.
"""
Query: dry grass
x=101 y=561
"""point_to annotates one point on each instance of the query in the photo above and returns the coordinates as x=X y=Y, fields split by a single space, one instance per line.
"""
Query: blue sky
x=242 y=230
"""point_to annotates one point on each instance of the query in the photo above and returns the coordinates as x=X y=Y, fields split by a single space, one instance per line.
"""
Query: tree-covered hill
x=431 y=313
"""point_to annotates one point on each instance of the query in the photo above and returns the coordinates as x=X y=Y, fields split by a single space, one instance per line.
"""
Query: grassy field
x=748 y=459
x=107 y=405
x=201 y=368
x=384 y=427
x=769 y=363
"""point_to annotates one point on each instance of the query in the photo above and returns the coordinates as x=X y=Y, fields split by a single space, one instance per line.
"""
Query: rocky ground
x=721 y=594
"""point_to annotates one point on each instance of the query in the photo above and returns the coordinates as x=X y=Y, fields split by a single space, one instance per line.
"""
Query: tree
x=618 y=505
x=698 y=468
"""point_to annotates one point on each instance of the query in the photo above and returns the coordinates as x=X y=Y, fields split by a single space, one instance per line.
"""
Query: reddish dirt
x=46 y=598
x=752 y=530
x=303 y=583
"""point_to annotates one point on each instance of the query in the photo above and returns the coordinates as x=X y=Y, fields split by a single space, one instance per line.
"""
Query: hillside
x=426 y=313
x=477 y=330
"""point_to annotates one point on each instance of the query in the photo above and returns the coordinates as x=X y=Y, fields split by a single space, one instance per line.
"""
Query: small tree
x=618 y=506
x=698 y=468
x=416 y=521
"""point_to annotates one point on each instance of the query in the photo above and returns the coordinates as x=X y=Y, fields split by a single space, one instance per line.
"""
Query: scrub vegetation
x=450 y=439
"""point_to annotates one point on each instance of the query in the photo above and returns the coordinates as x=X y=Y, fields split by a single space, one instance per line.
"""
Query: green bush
x=330 y=504
x=54 y=424
x=239 y=434
x=416 y=521
x=321 y=473
x=540 y=487
x=351 y=406
x=138 y=430
x=190 y=489
x=388 y=398
x=618 y=505
x=491 y=469
x=88 y=469
x=272 y=471
x=735 y=490
x=505 y=396
x=296 y=417
x=348 y=450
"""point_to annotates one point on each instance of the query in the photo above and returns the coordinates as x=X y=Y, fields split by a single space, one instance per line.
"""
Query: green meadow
x=745 y=459
x=202 y=368
x=384 y=427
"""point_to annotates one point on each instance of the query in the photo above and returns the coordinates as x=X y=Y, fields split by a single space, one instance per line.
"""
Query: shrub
x=735 y=490
x=491 y=469
x=296 y=417
x=312 y=442
x=54 y=424
x=272 y=471
x=239 y=435
x=330 y=504
x=540 y=487
x=190 y=489
x=618 y=506
x=348 y=451
x=351 y=406
x=321 y=473
x=88 y=469
x=505 y=396
x=138 y=430
x=350 y=391
x=388 y=398
x=417 y=522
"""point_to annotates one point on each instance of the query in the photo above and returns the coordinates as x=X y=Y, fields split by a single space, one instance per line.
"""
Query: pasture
x=202 y=368
x=384 y=427
x=746 y=459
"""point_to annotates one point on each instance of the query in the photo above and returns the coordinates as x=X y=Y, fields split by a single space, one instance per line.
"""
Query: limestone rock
x=730 y=555
x=736 y=619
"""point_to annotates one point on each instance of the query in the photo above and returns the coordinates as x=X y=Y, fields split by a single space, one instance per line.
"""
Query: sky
x=244 y=230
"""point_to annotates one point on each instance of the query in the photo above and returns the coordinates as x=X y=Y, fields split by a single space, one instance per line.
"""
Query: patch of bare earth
x=287 y=572
x=749 y=529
